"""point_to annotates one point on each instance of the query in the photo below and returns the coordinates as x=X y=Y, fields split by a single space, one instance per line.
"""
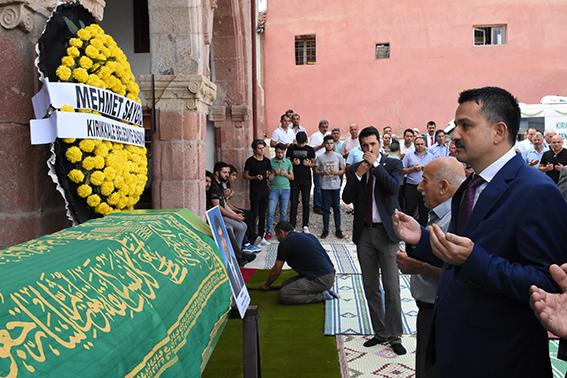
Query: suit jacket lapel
x=456 y=204
x=492 y=193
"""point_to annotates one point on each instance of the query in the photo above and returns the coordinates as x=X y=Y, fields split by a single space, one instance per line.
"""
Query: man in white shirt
x=283 y=134
x=295 y=125
x=407 y=146
x=316 y=141
x=351 y=142
x=527 y=143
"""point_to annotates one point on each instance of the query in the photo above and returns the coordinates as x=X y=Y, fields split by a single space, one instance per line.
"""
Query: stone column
x=29 y=204
x=183 y=92
x=178 y=144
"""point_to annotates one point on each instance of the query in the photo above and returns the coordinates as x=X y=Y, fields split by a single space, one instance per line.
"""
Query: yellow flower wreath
x=110 y=176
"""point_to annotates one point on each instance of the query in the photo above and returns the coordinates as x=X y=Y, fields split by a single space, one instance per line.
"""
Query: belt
x=373 y=225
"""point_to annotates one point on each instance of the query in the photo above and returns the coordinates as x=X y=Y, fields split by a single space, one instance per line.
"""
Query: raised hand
x=550 y=308
x=406 y=228
x=450 y=248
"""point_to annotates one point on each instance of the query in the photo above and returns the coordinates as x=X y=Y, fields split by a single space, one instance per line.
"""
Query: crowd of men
x=474 y=251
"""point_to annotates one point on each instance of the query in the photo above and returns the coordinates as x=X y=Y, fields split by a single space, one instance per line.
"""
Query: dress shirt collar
x=442 y=209
x=489 y=172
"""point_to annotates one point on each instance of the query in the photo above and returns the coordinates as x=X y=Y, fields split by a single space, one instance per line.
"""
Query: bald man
x=553 y=161
x=441 y=179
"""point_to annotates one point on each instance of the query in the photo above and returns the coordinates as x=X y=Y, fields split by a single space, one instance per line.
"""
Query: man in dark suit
x=494 y=250
x=429 y=136
x=372 y=187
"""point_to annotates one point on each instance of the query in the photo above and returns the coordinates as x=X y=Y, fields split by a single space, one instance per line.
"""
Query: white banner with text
x=81 y=96
x=84 y=126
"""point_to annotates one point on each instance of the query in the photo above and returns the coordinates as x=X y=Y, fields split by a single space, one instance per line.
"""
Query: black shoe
x=324 y=234
x=399 y=349
x=318 y=210
x=374 y=341
x=339 y=234
x=246 y=258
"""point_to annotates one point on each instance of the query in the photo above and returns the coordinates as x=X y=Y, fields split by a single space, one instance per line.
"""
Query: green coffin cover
x=137 y=294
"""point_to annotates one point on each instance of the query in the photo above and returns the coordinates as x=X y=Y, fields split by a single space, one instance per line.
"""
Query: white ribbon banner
x=82 y=96
x=84 y=126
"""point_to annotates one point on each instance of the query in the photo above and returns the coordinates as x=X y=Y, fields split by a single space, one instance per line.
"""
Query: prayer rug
x=558 y=366
x=349 y=315
x=342 y=255
x=344 y=258
x=377 y=361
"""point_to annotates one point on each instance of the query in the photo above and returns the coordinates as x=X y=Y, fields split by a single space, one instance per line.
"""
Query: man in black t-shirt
x=305 y=255
x=552 y=161
x=302 y=156
x=256 y=169
x=210 y=180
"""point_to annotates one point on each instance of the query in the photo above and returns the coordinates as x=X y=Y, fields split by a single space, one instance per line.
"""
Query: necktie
x=370 y=199
x=431 y=141
x=467 y=202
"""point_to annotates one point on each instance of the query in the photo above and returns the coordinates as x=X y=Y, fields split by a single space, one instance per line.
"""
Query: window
x=489 y=35
x=305 y=49
x=383 y=50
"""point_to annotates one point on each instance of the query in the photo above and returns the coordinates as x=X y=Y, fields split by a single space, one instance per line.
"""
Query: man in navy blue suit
x=495 y=248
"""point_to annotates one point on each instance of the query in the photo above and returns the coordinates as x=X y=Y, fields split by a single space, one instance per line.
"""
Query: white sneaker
x=264 y=242
x=258 y=240
x=306 y=230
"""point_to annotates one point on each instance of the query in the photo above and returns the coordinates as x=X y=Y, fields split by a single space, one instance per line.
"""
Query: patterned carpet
x=378 y=361
x=358 y=361
x=349 y=314
x=559 y=367
x=342 y=255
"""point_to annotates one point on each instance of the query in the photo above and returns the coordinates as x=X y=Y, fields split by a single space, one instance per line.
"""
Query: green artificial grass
x=292 y=343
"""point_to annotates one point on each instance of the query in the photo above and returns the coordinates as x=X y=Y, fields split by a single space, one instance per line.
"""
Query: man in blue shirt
x=354 y=156
x=440 y=148
x=305 y=255
x=534 y=153
x=414 y=162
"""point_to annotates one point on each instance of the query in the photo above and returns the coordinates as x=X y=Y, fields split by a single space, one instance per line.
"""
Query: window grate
x=489 y=35
x=383 y=50
x=305 y=49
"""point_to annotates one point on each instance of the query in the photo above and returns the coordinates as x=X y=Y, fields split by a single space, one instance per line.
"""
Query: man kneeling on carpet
x=305 y=255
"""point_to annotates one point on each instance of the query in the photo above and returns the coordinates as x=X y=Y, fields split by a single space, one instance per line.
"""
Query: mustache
x=459 y=143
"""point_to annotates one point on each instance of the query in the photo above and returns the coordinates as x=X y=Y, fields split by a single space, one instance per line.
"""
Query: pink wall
x=432 y=58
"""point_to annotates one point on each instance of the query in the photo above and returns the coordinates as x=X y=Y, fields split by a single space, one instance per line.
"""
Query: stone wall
x=181 y=33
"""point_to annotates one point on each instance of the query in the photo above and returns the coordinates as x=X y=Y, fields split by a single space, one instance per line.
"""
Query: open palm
x=550 y=308
x=406 y=228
